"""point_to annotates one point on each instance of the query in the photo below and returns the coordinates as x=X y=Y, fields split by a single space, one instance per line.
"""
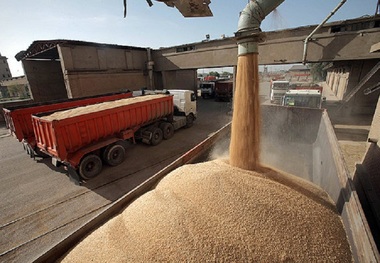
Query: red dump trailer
x=81 y=138
x=19 y=121
x=224 y=90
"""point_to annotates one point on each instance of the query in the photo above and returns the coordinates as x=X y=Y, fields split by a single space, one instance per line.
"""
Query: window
x=302 y=101
x=355 y=26
x=185 y=48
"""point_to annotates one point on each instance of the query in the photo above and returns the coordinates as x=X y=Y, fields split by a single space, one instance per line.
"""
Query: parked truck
x=83 y=137
x=305 y=98
x=223 y=90
x=19 y=118
x=304 y=95
x=207 y=89
x=278 y=88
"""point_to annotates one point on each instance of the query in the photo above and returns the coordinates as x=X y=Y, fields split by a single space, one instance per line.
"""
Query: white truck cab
x=278 y=88
x=185 y=101
x=207 y=89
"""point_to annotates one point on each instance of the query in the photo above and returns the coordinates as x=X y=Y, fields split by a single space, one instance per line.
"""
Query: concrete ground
x=4 y=132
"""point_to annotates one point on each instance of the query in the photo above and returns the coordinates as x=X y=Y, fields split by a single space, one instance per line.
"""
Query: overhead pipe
x=150 y=65
x=308 y=38
x=249 y=33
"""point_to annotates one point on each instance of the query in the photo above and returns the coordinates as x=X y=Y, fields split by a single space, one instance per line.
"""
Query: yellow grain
x=214 y=212
x=59 y=115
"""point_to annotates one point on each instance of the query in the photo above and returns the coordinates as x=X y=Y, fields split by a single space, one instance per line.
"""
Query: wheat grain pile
x=59 y=115
x=214 y=212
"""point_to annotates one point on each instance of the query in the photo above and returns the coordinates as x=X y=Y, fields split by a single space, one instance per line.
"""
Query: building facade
x=14 y=88
x=5 y=73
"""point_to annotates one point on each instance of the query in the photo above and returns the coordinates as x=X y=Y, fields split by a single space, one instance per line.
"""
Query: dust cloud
x=220 y=150
x=277 y=20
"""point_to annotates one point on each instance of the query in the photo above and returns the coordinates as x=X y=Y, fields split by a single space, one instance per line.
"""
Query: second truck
x=83 y=138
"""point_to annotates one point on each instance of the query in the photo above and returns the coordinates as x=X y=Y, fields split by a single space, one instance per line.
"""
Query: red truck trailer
x=81 y=138
x=19 y=121
x=224 y=90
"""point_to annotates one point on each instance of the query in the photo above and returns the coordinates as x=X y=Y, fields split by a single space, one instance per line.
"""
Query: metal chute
x=249 y=33
x=188 y=8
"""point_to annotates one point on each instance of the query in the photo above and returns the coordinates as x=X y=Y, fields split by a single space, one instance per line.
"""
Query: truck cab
x=278 y=88
x=185 y=102
x=207 y=89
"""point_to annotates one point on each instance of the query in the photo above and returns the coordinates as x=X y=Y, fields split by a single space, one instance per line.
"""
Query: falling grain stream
x=245 y=133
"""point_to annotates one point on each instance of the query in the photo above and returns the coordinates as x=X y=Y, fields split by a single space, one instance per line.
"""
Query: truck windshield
x=206 y=86
x=302 y=101
x=282 y=86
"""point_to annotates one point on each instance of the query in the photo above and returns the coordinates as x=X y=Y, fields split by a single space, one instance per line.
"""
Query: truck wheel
x=167 y=130
x=114 y=154
x=156 y=136
x=189 y=120
x=90 y=166
x=41 y=153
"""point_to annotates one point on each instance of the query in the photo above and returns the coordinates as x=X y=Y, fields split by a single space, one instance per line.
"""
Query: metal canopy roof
x=47 y=49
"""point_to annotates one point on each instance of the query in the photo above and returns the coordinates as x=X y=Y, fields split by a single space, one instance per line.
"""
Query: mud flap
x=74 y=176
x=29 y=150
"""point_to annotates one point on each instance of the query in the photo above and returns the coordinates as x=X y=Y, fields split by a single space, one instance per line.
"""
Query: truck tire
x=189 y=120
x=41 y=153
x=167 y=130
x=114 y=154
x=157 y=136
x=90 y=166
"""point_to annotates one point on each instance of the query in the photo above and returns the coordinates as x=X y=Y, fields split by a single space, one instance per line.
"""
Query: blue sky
x=24 y=21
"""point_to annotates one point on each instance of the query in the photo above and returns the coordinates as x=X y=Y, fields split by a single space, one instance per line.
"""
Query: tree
x=214 y=73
